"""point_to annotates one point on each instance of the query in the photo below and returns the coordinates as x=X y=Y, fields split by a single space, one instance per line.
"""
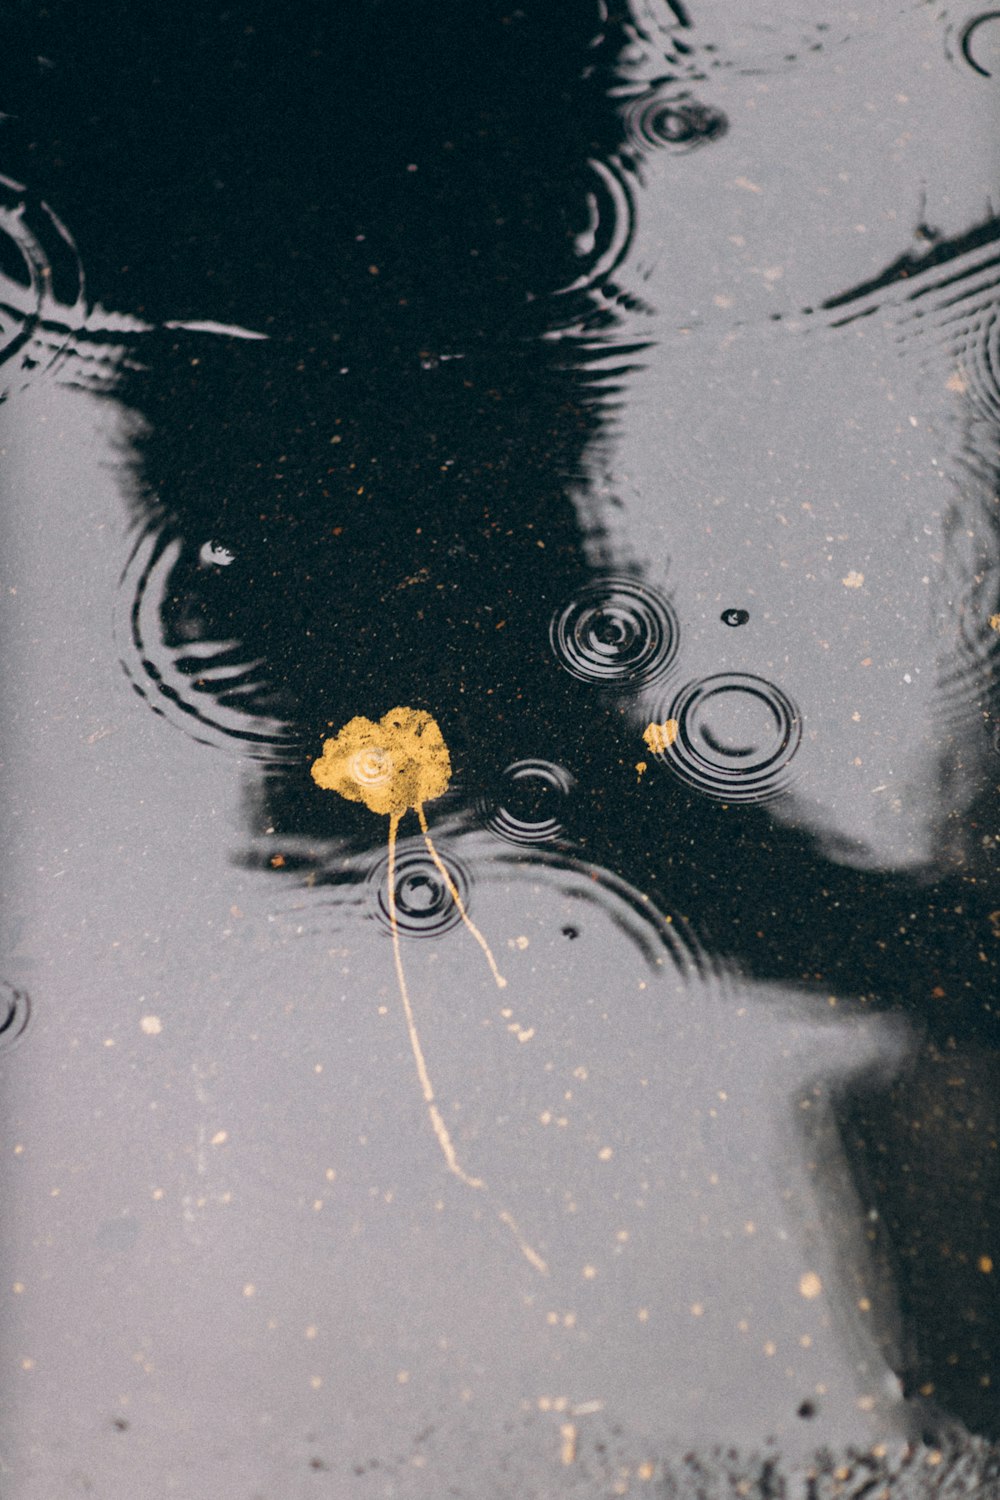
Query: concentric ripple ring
x=425 y=906
x=733 y=738
x=616 y=632
x=680 y=123
x=528 y=809
x=15 y=1012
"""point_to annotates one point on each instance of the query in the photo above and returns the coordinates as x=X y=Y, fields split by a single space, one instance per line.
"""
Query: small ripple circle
x=528 y=806
x=733 y=738
x=425 y=905
x=15 y=1012
x=616 y=631
x=680 y=123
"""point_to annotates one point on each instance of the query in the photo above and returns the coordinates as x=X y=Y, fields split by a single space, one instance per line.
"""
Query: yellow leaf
x=398 y=763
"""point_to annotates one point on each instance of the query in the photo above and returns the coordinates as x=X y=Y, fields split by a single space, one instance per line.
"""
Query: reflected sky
x=834 y=498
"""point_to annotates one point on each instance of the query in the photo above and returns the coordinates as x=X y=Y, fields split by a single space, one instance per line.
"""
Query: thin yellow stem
x=434 y=1114
x=440 y=1128
x=446 y=877
x=531 y=1256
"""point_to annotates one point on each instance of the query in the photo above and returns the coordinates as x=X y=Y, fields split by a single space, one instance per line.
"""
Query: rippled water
x=734 y=737
x=529 y=803
x=619 y=390
x=171 y=656
x=425 y=906
x=617 y=632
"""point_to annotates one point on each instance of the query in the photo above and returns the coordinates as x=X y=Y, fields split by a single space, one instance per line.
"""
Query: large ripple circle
x=735 y=735
x=529 y=806
x=617 y=632
x=41 y=285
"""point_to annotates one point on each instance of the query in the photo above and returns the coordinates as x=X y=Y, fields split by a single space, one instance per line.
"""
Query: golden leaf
x=398 y=763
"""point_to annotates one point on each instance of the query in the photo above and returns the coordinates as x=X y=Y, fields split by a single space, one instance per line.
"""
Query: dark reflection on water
x=410 y=493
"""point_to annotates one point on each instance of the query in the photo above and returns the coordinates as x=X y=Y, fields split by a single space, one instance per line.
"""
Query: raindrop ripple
x=678 y=124
x=616 y=632
x=601 y=241
x=528 y=809
x=41 y=286
x=425 y=906
x=735 y=736
x=200 y=682
x=15 y=1012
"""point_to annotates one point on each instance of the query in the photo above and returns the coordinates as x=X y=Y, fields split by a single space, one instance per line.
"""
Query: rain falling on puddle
x=501 y=619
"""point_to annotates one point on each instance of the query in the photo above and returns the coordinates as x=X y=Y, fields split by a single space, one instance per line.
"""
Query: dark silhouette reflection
x=926 y=1153
x=386 y=483
x=376 y=507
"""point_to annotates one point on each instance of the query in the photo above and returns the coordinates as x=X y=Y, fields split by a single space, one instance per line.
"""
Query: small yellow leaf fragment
x=854 y=579
x=568 y=1434
x=220 y=1138
x=985 y=1264
x=995 y=622
x=659 y=736
x=151 y=1025
x=641 y=768
x=957 y=382
x=810 y=1285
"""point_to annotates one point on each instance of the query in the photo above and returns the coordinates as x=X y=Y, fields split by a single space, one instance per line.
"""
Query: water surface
x=620 y=389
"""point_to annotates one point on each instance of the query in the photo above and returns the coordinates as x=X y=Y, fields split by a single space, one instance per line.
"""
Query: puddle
x=597 y=1093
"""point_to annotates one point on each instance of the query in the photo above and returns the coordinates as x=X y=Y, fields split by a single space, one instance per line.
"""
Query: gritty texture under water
x=560 y=373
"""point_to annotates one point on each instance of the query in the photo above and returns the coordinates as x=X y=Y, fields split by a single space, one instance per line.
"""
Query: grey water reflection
x=739 y=1091
x=847 y=493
